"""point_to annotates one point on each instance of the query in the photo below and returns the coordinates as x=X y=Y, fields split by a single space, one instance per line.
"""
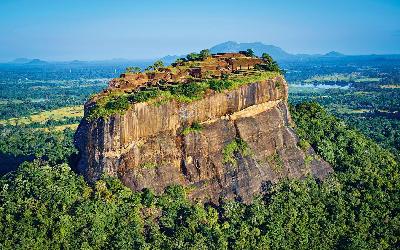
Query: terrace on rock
x=213 y=66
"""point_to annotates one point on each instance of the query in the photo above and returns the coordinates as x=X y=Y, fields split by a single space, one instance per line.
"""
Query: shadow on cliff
x=73 y=160
x=9 y=162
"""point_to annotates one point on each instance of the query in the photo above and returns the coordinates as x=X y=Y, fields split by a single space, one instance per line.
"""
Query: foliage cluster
x=133 y=70
x=21 y=143
x=361 y=102
x=276 y=161
x=230 y=151
x=269 y=64
x=156 y=66
x=106 y=106
x=220 y=85
x=25 y=99
x=194 y=127
x=148 y=165
x=248 y=52
x=198 y=56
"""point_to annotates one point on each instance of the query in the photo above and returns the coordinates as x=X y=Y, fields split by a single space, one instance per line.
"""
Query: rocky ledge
x=230 y=144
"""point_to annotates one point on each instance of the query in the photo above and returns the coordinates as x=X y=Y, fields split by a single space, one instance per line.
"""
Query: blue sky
x=88 y=29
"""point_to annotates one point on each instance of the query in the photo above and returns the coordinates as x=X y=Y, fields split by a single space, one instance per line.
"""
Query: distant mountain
x=334 y=54
x=78 y=62
x=28 y=61
x=21 y=60
x=258 y=48
x=37 y=62
x=230 y=46
x=171 y=58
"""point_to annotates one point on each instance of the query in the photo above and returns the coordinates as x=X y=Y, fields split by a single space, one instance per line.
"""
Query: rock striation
x=243 y=141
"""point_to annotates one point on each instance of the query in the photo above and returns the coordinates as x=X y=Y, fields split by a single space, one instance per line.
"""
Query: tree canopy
x=49 y=206
x=133 y=69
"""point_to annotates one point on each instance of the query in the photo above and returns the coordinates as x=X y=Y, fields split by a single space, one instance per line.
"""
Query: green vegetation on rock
x=156 y=66
x=276 y=161
x=109 y=105
x=269 y=64
x=133 y=70
x=118 y=102
x=304 y=145
x=220 y=85
x=195 y=127
x=148 y=165
x=237 y=146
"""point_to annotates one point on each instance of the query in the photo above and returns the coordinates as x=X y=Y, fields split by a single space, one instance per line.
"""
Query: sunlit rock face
x=147 y=146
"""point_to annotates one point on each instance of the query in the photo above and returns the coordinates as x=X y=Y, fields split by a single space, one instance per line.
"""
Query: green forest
x=45 y=205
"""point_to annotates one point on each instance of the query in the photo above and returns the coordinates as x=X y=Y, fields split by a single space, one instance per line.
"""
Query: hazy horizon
x=102 y=30
x=161 y=56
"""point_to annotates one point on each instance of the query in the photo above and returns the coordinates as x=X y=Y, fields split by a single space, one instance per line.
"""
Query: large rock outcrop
x=146 y=146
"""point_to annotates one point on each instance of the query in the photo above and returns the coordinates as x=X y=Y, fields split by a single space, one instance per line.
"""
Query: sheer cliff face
x=146 y=148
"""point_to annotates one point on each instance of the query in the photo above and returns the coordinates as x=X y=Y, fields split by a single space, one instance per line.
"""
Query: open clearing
x=42 y=117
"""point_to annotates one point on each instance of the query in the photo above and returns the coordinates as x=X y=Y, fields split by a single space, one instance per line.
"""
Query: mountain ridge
x=258 y=48
x=276 y=52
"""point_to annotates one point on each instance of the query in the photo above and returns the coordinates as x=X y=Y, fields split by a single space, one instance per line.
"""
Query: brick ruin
x=214 y=66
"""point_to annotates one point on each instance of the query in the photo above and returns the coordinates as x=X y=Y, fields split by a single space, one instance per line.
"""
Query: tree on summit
x=156 y=65
x=199 y=56
x=205 y=53
x=179 y=61
x=250 y=53
x=133 y=70
x=267 y=57
x=269 y=64
x=193 y=57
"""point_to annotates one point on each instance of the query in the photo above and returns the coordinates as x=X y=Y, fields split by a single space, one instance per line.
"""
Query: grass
x=390 y=86
x=148 y=165
x=237 y=146
x=162 y=98
x=189 y=92
x=278 y=85
x=304 y=145
x=109 y=105
x=353 y=77
x=42 y=117
x=195 y=128
x=9 y=101
x=118 y=102
x=144 y=95
x=307 y=160
x=344 y=109
x=275 y=161
x=220 y=85
x=61 y=127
